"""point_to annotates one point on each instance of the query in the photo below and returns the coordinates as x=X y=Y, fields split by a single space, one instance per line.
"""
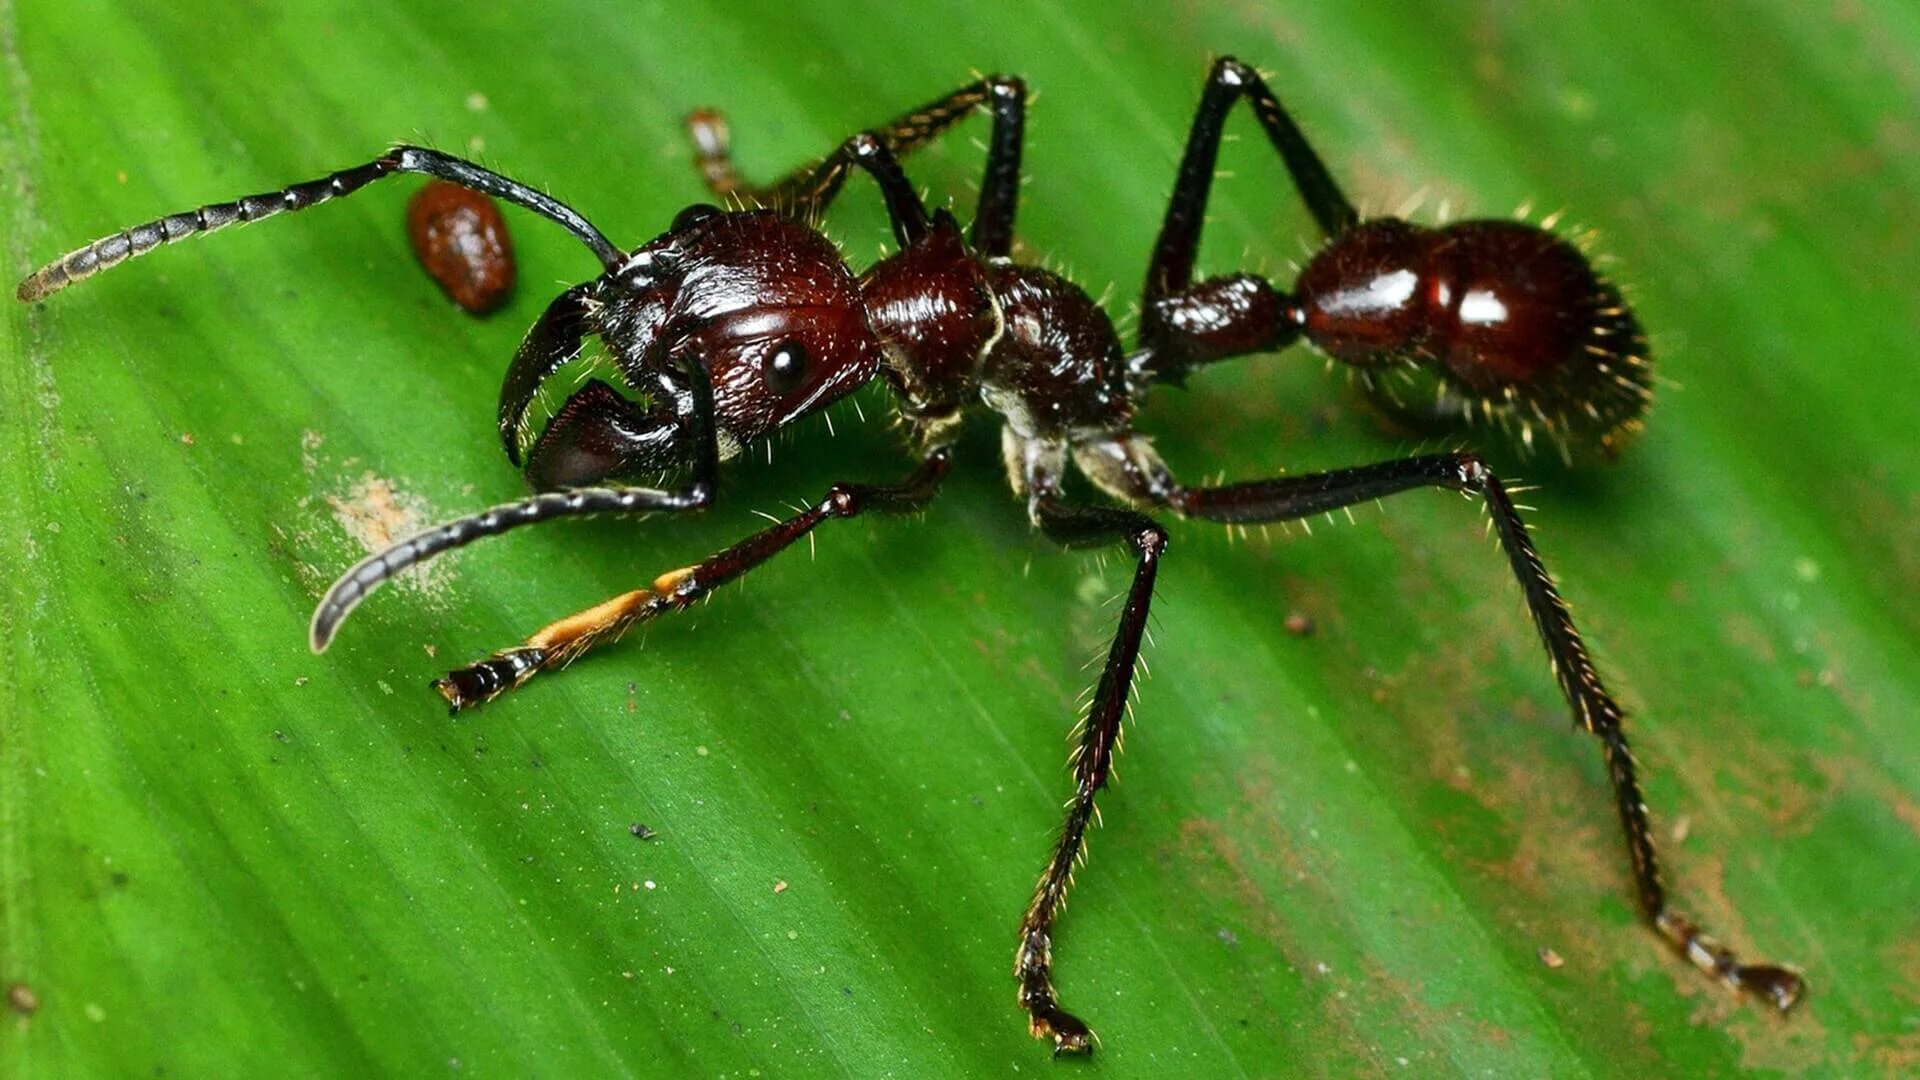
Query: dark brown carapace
x=735 y=323
x=461 y=240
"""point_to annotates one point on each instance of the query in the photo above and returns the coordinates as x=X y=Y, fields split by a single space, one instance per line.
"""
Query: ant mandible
x=735 y=323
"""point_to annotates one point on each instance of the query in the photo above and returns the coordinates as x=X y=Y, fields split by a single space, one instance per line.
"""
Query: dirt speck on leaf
x=310 y=443
x=376 y=514
x=22 y=998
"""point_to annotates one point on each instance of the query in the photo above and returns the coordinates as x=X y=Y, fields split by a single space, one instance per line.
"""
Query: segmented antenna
x=357 y=583
x=113 y=250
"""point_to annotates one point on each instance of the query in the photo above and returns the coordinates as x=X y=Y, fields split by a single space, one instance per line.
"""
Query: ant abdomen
x=1480 y=320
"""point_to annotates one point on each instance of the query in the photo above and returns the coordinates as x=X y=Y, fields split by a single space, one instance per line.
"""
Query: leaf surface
x=1333 y=854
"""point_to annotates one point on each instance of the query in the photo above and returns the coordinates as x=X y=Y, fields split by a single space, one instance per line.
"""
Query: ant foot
x=1069 y=1034
x=1782 y=986
x=479 y=683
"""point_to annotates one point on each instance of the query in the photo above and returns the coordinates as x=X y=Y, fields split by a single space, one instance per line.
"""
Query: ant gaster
x=735 y=323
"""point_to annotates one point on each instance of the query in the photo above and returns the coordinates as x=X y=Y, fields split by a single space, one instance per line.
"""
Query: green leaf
x=1331 y=854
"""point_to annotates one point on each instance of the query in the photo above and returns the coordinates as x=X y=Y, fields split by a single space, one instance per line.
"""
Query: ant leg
x=1129 y=469
x=1073 y=525
x=1184 y=324
x=560 y=643
x=111 y=251
x=868 y=151
x=992 y=232
x=1179 y=242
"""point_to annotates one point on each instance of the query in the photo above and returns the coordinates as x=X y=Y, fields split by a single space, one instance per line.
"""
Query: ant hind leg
x=1171 y=268
x=1128 y=469
x=1184 y=323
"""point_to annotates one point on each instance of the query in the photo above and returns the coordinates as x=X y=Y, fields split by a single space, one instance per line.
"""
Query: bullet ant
x=735 y=323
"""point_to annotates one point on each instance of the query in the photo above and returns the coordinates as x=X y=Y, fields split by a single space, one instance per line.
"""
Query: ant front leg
x=111 y=251
x=1129 y=469
x=1184 y=324
x=810 y=189
x=1078 y=526
x=560 y=643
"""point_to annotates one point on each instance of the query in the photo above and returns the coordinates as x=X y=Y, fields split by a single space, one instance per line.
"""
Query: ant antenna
x=356 y=584
x=113 y=250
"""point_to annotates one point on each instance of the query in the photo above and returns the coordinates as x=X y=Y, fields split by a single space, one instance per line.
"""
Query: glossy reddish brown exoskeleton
x=1510 y=323
x=735 y=323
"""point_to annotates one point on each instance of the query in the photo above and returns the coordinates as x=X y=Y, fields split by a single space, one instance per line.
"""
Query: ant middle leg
x=1076 y=525
x=810 y=189
x=561 y=642
x=1129 y=469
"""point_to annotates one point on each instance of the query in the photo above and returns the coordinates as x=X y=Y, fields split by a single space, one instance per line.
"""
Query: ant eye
x=785 y=368
x=694 y=215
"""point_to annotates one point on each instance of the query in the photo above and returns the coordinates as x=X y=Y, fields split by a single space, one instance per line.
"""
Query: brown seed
x=461 y=240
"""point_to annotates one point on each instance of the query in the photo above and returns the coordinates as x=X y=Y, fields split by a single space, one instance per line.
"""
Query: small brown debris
x=462 y=242
x=1550 y=958
x=779 y=886
x=186 y=438
x=23 y=999
x=1682 y=826
x=1298 y=624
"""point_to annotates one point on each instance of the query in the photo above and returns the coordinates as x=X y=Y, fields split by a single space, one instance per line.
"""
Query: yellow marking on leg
x=667 y=584
x=593 y=620
x=604 y=616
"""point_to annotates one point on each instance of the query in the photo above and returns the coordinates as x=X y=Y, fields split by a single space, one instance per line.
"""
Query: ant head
x=764 y=306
